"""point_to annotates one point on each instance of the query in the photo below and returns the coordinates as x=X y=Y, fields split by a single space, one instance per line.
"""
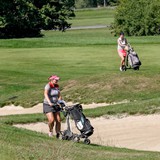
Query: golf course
x=88 y=65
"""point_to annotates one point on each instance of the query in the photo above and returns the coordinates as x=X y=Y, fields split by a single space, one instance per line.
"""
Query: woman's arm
x=47 y=98
x=59 y=96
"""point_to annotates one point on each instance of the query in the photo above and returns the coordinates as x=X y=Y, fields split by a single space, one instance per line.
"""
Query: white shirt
x=121 y=42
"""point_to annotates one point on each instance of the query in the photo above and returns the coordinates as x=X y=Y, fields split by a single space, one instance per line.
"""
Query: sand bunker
x=10 y=110
x=134 y=132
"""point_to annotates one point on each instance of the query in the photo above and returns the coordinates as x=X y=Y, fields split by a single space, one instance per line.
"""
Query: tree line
x=137 y=17
x=26 y=18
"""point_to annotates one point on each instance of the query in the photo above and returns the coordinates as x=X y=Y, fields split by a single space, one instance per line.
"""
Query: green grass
x=75 y=38
x=149 y=106
x=24 y=118
x=91 y=17
x=87 y=63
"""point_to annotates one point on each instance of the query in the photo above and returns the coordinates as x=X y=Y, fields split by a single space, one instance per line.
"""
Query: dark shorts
x=47 y=108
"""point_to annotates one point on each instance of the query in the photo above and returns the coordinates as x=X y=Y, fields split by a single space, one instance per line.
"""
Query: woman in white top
x=122 y=43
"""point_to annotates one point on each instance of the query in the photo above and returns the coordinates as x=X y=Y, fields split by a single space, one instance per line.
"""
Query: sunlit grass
x=92 y=17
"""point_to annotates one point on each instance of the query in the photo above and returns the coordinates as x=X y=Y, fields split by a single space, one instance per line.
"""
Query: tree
x=26 y=18
x=138 y=18
x=55 y=13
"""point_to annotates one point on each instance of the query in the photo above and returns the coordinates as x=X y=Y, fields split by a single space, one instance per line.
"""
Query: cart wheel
x=61 y=135
x=76 y=139
x=87 y=141
x=124 y=68
x=65 y=138
x=136 y=68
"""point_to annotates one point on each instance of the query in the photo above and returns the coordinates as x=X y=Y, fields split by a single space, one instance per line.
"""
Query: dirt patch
x=134 y=132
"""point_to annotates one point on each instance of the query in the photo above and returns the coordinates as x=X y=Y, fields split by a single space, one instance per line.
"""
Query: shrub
x=137 y=18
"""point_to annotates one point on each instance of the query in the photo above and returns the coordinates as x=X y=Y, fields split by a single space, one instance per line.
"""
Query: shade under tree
x=26 y=18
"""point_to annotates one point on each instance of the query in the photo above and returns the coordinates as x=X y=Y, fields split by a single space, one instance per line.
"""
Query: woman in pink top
x=122 y=43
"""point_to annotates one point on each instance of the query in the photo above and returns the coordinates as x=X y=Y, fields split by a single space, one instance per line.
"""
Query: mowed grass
x=75 y=38
x=86 y=61
x=92 y=17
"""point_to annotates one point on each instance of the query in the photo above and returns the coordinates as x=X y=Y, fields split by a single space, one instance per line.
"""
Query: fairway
x=89 y=17
x=89 y=57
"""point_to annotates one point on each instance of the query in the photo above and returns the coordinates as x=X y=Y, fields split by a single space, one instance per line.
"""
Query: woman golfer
x=122 y=46
x=50 y=104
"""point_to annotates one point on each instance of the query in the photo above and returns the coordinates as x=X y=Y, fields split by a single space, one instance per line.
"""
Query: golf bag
x=133 y=59
x=81 y=122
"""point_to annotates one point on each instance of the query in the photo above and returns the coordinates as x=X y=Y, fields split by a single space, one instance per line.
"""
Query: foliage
x=138 y=18
x=21 y=18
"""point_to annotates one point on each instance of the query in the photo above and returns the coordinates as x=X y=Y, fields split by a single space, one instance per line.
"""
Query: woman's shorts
x=123 y=52
x=47 y=108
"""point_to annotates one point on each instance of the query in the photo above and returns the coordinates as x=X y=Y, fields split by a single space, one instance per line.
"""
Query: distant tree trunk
x=104 y=3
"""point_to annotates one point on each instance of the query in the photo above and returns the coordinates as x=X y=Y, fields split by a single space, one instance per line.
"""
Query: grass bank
x=143 y=107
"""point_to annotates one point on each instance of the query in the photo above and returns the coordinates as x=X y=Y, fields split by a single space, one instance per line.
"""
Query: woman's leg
x=58 y=122
x=50 y=118
x=122 y=59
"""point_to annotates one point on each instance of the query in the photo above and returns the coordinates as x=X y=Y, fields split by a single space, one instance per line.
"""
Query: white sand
x=134 y=132
x=10 y=110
